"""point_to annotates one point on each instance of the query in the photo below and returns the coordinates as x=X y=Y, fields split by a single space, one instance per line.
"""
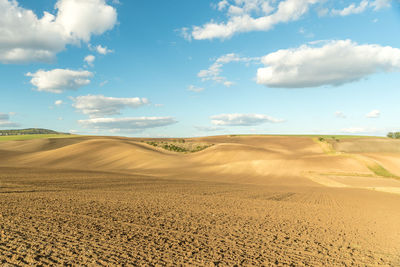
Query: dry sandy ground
x=244 y=201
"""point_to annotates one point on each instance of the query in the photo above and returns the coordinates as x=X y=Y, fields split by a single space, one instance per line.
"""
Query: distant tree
x=395 y=135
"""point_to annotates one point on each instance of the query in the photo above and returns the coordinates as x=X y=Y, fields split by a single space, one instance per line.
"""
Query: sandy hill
x=278 y=160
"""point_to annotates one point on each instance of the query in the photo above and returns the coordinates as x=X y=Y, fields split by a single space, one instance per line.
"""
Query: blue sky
x=195 y=68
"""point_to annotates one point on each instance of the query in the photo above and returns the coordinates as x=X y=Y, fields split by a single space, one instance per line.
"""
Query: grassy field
x=34 y=136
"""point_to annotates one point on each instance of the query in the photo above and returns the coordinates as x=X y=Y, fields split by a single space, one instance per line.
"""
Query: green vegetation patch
x=180 y=145
x=380 y=171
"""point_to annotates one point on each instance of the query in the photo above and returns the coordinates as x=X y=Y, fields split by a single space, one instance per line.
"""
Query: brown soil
x=244 y=201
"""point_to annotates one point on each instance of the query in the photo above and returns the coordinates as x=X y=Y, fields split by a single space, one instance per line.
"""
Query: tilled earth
x=55 y=217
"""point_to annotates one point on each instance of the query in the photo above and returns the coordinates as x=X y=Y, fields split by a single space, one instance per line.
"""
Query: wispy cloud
x=242 y=119
x=5 y=121
x=213 y=73
x=373 y=114
x=99 y=105
x=195 y=89
x=127 y=124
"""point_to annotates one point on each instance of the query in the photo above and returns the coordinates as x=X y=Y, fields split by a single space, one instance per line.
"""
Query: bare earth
x=246 y=200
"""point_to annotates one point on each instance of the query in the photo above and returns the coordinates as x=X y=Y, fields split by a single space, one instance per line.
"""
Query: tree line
x=28 y=131
x=394 y=135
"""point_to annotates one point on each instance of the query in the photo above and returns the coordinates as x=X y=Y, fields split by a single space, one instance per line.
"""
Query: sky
x=184 y=68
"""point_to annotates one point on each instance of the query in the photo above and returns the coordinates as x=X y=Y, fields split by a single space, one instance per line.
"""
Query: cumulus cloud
x=242 y=119
x=99 y=105
x=5 y=121
x=89 y=59
x=335 y=63
x=213 y=73
x=373 y=114
x=252 y=15
x=340 y=114
x=195 y=89
x=127 y=124
x=25 y=37
x=59 y=80
x=58 y=102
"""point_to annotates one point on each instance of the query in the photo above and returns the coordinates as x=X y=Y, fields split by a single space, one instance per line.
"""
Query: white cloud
x=306 y=33
x=59 y=80
x=27 y=38
x=58 y=102
x=213 y=73
x=340 y=114
x=335 y=63
x=373 y=114
x=222 y=5
x=185 y=33
x=127 y=124
x=5 y=121
x=379 y=4
x=241 y=17
x=81 y=19
x=103 y=50
x=89 y=59
x=242 y=119
x=352 y=9
x=99 y=105
x=195 y=89
x=262 y=15
x=363 y=5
